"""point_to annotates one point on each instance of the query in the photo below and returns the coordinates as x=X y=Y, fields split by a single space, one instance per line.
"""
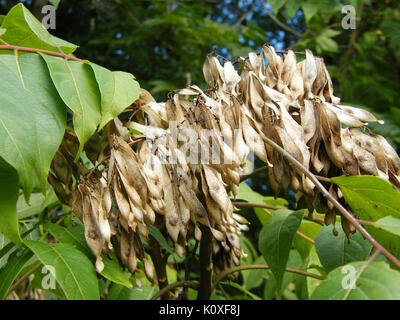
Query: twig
x=256 y=205
x=301 y=234
x=243 y=17
x=315 y=219
x=336 y=203
x=242 y=59
x=7 y=46
x=225 y=273
x=23 y=278
x=174 y=285
x=281 y=24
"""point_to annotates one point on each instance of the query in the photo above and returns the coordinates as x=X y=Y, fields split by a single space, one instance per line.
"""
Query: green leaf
x=388 y=240
x=309 y=10
x=370 y=198
x=24 y=30
x=11 y=270
x=313 y=266
x=338 y=251
x=253 y=278
x=76 y=236
x=55 y=3
x=118 y=90
x=276 y=238
x=249 y=250
x=118 y=292
x=73 y=270
x=78 y=88
x=113 y=271
x=326 y=44
x=376 y=282
x=389 y=224
x=292 y=6
x=73 y=235
x=303 y=246
x=32 y=118
x=8 y=198
x=240 y=288
x=276 y=5
x=160 y=239
x=37 y=203
x=330 y=33
x=41 y=278
x=3 y=244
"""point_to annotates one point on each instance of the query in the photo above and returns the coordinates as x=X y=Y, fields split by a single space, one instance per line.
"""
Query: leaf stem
x=225 y=273
x=7 y=46
x=174 y=285
x=279 y=23
x=301 y=234
x=256 y=205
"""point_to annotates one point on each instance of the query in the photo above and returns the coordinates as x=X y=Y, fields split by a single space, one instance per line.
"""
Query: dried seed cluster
x=196 y=147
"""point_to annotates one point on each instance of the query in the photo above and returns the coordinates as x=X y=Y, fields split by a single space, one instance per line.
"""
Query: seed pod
x=149 y=270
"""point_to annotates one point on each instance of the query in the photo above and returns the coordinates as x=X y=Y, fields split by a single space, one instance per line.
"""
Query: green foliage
x=24 y=30
x=10 y=271
x=114 y=101
x=8 y=200
x=370 y=198
x=73 y=270
x=165 y=46
x=302 y=245
x=334 y=251
x=276 y=238
x=389 y=224
x=30 y=101
x=118 y=292
x=375 y=281
x=249 y=195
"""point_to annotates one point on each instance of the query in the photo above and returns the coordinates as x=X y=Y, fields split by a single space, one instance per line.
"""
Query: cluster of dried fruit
x=197 y=144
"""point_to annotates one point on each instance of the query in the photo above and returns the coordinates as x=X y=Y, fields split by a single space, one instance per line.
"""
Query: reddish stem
x=7 y=46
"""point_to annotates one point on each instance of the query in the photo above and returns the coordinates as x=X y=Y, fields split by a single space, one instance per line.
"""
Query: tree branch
x=159 y=266
x=173 y=286
x=7 y=46
x=225 y=273
x=279 y=23
x=243 y=17
x=205 y=287
x=336 y=203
